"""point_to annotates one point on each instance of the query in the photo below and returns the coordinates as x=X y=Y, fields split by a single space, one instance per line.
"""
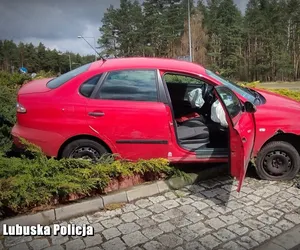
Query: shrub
x=27 y=183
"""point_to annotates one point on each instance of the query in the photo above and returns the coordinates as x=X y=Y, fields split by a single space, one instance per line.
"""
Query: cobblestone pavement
x=210 y=215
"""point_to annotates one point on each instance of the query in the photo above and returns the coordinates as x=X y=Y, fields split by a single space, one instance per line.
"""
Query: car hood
x=279 y=102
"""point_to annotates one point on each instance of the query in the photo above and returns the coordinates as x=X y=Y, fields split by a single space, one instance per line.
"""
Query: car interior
x=196 y=130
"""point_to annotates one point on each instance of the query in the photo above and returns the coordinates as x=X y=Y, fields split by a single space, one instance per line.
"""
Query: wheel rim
x=278 y=164
x=86 y=153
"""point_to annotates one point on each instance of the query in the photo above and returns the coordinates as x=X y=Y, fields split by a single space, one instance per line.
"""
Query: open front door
x=241 y=124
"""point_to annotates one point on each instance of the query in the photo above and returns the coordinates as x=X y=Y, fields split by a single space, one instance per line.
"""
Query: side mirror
x=249 y=107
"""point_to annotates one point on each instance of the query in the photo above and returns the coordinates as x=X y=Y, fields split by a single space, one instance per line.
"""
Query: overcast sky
x=57 y=23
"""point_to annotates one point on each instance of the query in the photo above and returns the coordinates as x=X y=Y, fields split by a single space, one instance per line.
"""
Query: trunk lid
x=35 y=86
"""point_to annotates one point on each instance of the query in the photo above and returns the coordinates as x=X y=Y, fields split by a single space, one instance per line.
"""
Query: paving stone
x=194 y=217
x=113 y=244
x=80 y=221
x=209 y=241
x=231 y=245
x=295 y=201
x=210 y=184
x=59 y=240
x=247 y=242
x=253 y=210
x=142 y=213
x=1 y=246
x=111 y=233
x=293 y=217
x=145 y=222
x=152 y=232
x=143 y=203
x=284 y=225
x=254 y=224
x=216 y=223
x=167 y=227
x=97 y=227
x=229 y=219
x=129 y=217
x=134 y=239
x=210 y=213
x=168 y=204
x=182 y=193
x=267 y=219
x=170 y=240
x=184 y=201
x=113 y=222
x=241 y=214
x=75 y=245
x=235 y=205
x=194 y=245
x=186 y=234
x=271 y=230
x=157 y=199
x=173 y=213
x=157 y=208
x=170 y=195
x=222 y=210
x=199 y=205
x=94 y=248
x=128 y=228
x=265 y=205
x=15 y=240
x=238 y=229
x=91 y=241
x=181 y=222
x=187 y=209
x=160 y=218
x=285 y=207
x=275 y=213
x=197 y=197
x=247 y=190
x=38 y=244
x=199 y=228
x=212 y=202
x=195 y=188
x=259 y=236
x=21 y=246
x=224 y=235
x=153 y=245
x=129 y=208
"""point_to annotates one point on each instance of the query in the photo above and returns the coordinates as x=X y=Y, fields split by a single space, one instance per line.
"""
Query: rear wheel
x=84 y=149
x=278 y=160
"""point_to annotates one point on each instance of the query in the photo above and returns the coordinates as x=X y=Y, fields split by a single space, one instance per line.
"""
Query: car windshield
x=245 y=92
x=60 y=80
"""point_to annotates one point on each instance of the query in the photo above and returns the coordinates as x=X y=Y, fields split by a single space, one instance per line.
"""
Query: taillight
x=20 y=108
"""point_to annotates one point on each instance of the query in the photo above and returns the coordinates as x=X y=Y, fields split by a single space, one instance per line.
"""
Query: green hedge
x=27 y=183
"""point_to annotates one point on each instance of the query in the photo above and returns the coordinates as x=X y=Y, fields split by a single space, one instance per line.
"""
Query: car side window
x=130 y=85
x=86 y=89
x=230 y=100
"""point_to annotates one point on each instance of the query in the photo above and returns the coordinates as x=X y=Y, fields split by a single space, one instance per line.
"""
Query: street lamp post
x=190 y=35
x=70 y=62
x=93 y=47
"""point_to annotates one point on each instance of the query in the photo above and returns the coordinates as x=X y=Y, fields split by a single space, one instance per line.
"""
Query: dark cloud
x=56 y=23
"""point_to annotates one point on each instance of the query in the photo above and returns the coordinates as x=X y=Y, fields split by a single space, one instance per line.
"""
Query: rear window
x=60 y=80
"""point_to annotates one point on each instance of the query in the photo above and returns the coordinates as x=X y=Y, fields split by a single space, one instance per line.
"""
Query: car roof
x=148 y=63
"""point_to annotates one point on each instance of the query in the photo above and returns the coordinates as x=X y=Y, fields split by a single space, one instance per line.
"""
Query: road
x=291 y=86
x=210 y=215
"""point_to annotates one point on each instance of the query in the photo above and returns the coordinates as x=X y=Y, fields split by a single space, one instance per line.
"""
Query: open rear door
x=241 y=125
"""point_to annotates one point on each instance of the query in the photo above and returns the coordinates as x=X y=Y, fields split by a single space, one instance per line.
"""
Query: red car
x=141 y=108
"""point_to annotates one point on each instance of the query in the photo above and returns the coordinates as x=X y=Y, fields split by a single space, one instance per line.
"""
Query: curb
x=122 y=196
x=289 y=240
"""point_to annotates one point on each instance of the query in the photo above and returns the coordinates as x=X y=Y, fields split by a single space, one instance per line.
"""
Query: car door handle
x=96 y=113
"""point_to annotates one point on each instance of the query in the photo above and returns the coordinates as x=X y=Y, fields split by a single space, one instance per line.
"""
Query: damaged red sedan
x=141 y=108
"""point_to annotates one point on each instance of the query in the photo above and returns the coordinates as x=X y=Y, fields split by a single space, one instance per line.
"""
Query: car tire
x=278 y=160
x=84 y=149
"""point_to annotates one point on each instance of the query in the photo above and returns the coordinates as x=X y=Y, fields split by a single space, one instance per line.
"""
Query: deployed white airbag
x=195 y=98
x=218 y=114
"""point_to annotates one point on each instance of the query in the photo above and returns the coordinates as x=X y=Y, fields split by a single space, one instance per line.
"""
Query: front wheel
x=278 y=160
x=84 y=149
